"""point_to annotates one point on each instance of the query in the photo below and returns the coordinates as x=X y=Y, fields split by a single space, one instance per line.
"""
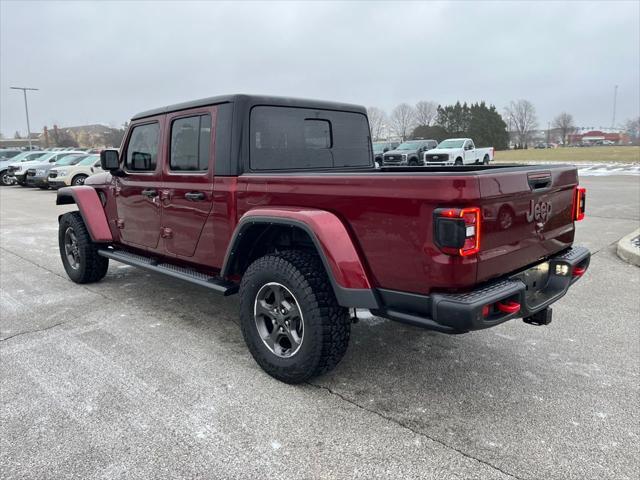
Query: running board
x=216 y=284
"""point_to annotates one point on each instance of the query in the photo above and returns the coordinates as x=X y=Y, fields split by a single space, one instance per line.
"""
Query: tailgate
x=527 y=216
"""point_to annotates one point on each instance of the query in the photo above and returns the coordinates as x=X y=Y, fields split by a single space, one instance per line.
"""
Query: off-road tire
x=327 y=325
x=78 y=180
x=92 y=267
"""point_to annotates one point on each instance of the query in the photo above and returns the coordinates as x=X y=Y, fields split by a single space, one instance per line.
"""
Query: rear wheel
x=290 y=318
x=485 y=160
x=78 y=252
x=78 y=180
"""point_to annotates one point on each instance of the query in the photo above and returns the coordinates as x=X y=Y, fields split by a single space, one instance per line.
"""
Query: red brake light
x=471 y=217
x=458 y=231
x=579 y=203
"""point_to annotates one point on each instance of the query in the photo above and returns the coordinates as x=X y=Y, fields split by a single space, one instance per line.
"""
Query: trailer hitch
x=543 y=317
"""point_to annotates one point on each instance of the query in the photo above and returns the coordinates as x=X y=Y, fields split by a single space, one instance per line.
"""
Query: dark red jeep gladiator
x=279 y=199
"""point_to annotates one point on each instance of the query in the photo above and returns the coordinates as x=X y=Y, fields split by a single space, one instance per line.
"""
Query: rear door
x=137 y=192
x=527 y=215
x=187 y=193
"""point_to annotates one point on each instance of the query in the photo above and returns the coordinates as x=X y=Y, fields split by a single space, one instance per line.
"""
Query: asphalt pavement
x=142 y=376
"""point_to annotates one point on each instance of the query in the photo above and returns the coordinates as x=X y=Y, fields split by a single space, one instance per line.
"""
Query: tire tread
x=307 y=272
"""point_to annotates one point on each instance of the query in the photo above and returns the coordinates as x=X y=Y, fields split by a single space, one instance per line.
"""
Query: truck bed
x=389 y=212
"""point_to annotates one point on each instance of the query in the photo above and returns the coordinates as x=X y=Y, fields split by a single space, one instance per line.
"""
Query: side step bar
x=216 y=284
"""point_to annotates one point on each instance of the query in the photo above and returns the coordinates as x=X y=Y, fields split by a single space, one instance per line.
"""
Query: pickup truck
x=407 y=153
x=458 y=151
x=278 y=199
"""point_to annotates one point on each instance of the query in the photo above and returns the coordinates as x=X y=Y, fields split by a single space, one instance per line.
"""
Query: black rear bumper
x=463 y=312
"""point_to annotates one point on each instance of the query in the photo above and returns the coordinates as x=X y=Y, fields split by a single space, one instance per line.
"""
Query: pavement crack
x=31 y=331
x=416 y=432
x=606 y=247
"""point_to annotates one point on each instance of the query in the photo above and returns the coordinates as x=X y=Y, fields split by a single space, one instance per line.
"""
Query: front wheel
x=78 y=180
x=290 y=318
x=458 y=162
x=78 y=252
x=5 y=179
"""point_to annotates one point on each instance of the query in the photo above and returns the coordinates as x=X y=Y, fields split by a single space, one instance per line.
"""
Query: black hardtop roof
x=249 y=101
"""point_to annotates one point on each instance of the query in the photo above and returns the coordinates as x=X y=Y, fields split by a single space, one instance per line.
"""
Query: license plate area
x=536 y=281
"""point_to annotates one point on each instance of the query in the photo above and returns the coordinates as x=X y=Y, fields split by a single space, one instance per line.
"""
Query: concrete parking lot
x=141 y=376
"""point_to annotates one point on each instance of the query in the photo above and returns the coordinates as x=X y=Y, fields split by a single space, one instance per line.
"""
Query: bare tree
x=377 y=119
x=564 y=123
x=403 y=120
x=521 y=115
x=426 y=112
x=632 y=129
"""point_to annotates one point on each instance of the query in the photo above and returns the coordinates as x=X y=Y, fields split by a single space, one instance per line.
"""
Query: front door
x=187 y=193
x=138 y=191
x=469 y=152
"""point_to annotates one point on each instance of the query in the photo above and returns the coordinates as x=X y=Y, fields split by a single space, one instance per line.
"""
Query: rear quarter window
x=284 y=138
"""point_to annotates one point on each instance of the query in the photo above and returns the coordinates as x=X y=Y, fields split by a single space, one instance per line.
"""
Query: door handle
x=150 y=192
x=194 y=196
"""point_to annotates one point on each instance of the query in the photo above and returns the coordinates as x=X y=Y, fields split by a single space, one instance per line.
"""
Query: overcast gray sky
x=101 y=62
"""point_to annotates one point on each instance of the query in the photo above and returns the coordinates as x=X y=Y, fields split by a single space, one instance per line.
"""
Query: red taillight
x=457 y=230
x=579 y=203
x=471 y=217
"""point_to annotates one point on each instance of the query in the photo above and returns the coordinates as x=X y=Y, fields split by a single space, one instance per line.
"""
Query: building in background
x=599 y=137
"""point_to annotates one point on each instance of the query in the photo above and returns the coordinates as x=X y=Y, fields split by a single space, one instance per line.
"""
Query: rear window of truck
x=284 y=138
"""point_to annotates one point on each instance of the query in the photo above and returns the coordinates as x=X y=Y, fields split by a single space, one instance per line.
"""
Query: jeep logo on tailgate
x=538 y=211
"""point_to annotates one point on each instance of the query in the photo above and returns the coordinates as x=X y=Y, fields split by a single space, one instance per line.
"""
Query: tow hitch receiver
x=543 y=317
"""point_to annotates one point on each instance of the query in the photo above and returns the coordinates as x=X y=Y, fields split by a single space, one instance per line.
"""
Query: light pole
x=26 y=109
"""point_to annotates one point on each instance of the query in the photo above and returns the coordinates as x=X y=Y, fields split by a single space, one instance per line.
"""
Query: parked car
x=307 y=233
x=458 y=151
x=380 y=148
x=19 y=170
x=38 y=175
x=19 y=164
x=6 y=153
x=74 y=172
x=408 y=153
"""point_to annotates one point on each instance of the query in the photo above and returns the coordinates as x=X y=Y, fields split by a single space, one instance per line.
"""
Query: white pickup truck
x=457 y=151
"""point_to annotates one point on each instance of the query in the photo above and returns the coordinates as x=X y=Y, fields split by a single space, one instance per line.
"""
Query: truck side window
x=303 y=138
x=190 y=143
x=142 y=150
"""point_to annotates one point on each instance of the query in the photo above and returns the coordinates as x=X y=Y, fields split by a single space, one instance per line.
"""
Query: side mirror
x=109 y=160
